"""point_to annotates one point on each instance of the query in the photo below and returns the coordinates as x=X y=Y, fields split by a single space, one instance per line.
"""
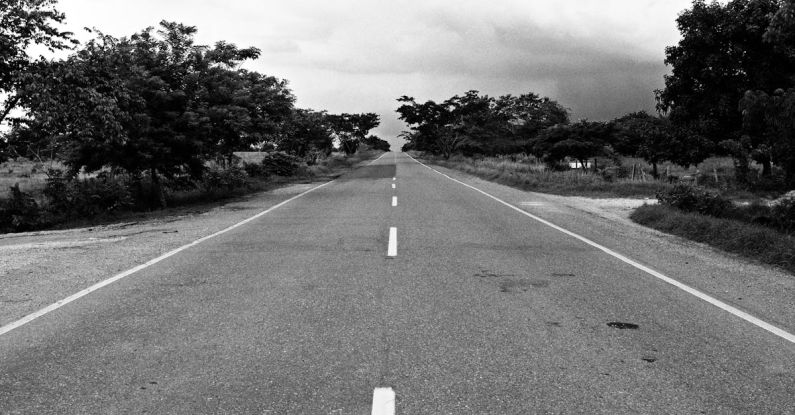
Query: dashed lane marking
x=394 y=201
x=690 y=290
x=392 y=247
x=383 y=401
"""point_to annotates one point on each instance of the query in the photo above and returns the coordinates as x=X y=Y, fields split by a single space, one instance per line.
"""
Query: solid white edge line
x=383 y=401
x=706 y=297
x=394 y=201
x=391 y=249
x=52 y=307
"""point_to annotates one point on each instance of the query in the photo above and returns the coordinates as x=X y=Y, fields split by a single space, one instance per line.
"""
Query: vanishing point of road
x=398 y=289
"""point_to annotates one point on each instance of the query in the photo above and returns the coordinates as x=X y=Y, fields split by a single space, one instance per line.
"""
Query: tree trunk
x=654 y=172
x=741 y=168
x=767 y=168
x=158 y=197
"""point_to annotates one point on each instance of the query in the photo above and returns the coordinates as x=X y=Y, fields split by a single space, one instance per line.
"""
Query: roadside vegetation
x=724 y=134
x=142 y=122
x=761 y=231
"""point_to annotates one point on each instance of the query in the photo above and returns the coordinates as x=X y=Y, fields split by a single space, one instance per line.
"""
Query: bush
x=68 y=197
x=694 y=199
x=231 y=178
x=255 y=170
x=783 y=215
x=20 y=212
x=280 y=163
x=749 y=240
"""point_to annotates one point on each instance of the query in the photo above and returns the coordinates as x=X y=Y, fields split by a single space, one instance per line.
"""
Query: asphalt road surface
x=395 y=279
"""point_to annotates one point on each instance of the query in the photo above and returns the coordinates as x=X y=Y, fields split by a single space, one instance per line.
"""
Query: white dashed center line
x=393 y=185
x=394 y=201
x=383 y=401
x=392 y=248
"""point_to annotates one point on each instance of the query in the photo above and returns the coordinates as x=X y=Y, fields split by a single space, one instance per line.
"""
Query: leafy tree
x=351 y=129
x=528 y=114
x=139 y=103
x=722 y=54
x=472 y=123
x=305 y=133
x=580 y=141
x=781 y=32
x=772 y=118
x=376 y=143
x=24 y=23
x=640 y=134
x=242 y=108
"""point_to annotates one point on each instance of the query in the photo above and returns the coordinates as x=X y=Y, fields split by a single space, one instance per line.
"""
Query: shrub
x=20 y=212
x=233 y=177
x=68 y=197
x=255 y=170
x=280 y=163
x=694 y=199
x=783 y=215
x=749 y=240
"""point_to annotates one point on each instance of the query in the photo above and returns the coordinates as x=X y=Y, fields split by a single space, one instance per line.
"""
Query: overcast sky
x=600 y=58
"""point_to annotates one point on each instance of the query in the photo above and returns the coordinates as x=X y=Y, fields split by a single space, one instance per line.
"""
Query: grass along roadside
x=748 y=240
x=193 y=199
x=532 y=176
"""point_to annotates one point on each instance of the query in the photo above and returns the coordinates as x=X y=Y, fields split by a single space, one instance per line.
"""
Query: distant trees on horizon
x=731 y=92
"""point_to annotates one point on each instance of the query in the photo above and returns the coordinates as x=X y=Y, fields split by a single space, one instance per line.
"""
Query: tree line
x=155 y=103
x=731 y=92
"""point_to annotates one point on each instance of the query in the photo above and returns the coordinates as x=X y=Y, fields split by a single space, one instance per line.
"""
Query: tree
x=351 y=129
x=580 y=141
x=24 y=23
x=478 y=124
x=772 y=120
x=140 y=103
x=721 y=55
x=306 y=132
x=640 y=134
x=376 y=143
x=528 y=114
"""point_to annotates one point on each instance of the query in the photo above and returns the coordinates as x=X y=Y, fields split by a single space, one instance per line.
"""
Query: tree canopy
x=24 y=23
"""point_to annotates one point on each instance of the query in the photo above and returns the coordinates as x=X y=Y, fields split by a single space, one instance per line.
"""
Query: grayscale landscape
x=366 y=207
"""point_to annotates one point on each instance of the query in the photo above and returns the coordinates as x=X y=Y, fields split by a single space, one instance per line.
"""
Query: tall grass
x=748 y=240
x=528 y=173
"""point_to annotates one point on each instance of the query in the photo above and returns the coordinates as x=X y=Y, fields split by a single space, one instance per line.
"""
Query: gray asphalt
x=483 y=311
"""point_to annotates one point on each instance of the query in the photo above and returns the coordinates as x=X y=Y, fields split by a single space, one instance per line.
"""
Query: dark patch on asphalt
x=623 y=326
x=520 y=286
x=562 y=274
x=554 y=324
x=488 y=274
x=512 y=285
x=649 y=359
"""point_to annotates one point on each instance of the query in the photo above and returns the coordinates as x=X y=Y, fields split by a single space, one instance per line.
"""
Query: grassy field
x=634 y=181
x=527 y=173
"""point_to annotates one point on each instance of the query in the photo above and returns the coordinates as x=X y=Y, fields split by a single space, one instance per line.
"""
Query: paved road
x=483 y=310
